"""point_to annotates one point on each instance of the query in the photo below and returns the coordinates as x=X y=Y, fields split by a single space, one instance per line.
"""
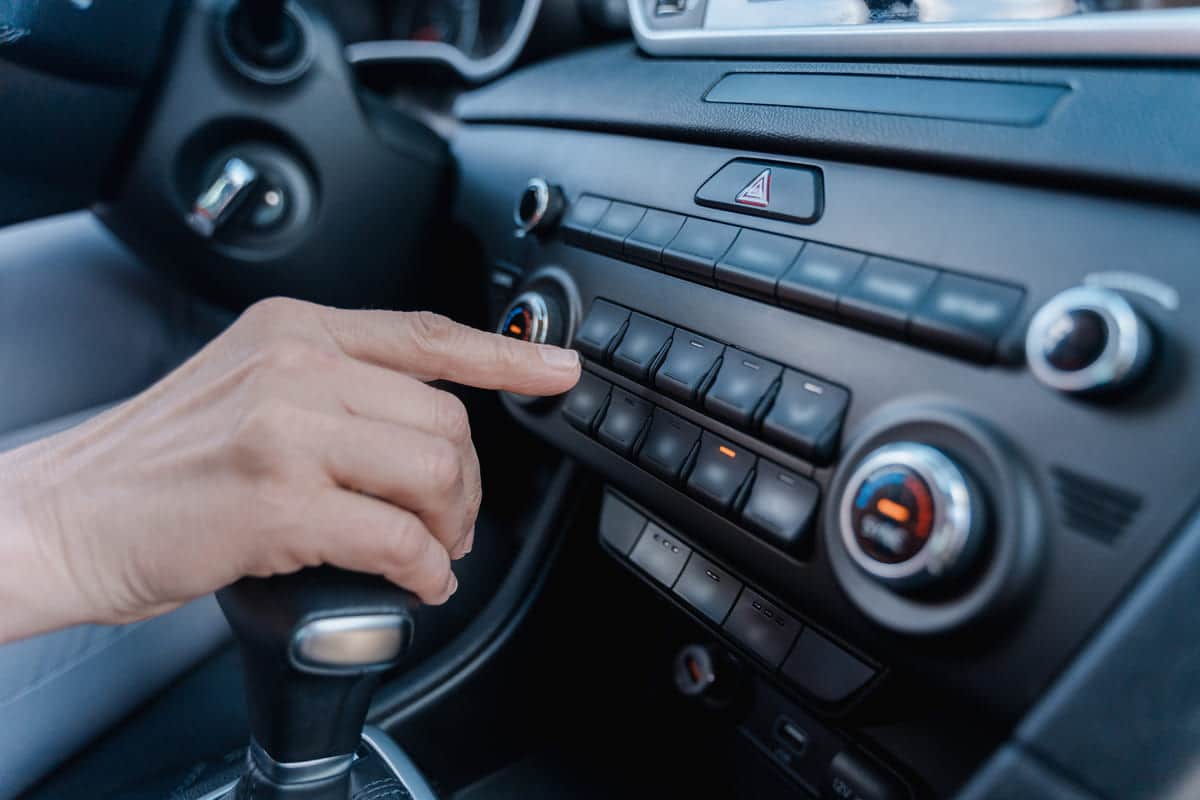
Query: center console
x=885 y=434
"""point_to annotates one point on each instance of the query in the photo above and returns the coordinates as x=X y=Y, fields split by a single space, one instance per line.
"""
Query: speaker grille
x=1093 y=507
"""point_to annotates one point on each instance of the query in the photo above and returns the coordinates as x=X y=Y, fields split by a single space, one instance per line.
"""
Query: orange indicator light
x=515 y=329
x=890 y=508
x=725 y=451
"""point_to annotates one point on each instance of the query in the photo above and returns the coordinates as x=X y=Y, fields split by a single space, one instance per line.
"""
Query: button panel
x=956 y=314
x=804 y=658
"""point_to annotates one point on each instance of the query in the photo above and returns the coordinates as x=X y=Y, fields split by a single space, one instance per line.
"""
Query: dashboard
x=892 y=418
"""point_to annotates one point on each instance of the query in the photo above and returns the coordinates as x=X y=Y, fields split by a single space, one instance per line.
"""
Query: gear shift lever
x=314 y=646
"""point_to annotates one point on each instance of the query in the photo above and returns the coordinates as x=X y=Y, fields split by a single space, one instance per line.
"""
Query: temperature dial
x=910 y=517
x=533 y=317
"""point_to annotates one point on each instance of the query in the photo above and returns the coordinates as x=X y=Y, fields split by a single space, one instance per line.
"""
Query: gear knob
x=314 y=646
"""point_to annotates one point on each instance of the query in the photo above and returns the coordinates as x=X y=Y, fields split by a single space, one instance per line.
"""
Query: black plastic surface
x=756 y=261
x=687 y=365
x=762 y=627
x=1023 y=104
x=620 y=524
x=824 y=670
x=660 y=554
x=781 y=505
x=623 y=422
x=709 y=588
x=1156 y=143
x=1041 y=240
x=741 y=387
x=362 y=243
x=720 y=471
x=599 y=333
x=668 y=443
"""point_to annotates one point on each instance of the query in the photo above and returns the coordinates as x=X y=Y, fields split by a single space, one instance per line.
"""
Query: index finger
x=433 y=347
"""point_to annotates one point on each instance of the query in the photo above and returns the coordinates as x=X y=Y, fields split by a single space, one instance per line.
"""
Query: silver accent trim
x=1123 y=355
x=350 y=643
x=472 y=69
x=541 y=193
x=538 y=311
x=223 y=792
x=1161 y=34
x=215 y=203
x=399 y=763
x=283 y=773
x=952 y=512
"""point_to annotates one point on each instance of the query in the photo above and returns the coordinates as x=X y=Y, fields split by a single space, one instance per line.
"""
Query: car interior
x=880 y=479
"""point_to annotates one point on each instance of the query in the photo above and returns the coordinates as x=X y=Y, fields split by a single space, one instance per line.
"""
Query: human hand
x=303 y=435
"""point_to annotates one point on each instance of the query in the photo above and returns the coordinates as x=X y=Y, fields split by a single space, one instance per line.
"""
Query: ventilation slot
x=1092 y=507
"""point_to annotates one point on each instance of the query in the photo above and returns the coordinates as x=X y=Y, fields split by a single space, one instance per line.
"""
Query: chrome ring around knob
x=535 y=206
x=956 y=525
x=536 y=321
x=1125 y=353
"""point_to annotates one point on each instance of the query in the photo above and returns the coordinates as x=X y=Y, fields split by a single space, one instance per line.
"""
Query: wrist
x=36 y=593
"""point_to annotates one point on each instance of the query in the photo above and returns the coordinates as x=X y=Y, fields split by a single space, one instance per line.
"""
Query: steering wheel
x=226 y=142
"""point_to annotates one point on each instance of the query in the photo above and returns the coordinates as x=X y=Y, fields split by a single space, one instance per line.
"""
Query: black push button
x=655 y=232
x=721 y=469
x=583 y=403
x=623 y=422
x=582 y=217
x=824 y=670
x=644 y=340
x=617 y=223
x=965 y=315
x=668 y=444
x=886 y=293
x=766 y=189
x=741 y=384
x=708 y=588
x=762 y=627
x=695 y=250
x=819 y=277
x=620 y=524
x=781 y=505
x=806 y=417
x=687 y=364
x=852 y=777
x=600 y=330
x=756 y=261
x=660 y=554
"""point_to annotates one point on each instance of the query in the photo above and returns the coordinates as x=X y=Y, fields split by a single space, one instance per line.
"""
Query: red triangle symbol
x=757 y=192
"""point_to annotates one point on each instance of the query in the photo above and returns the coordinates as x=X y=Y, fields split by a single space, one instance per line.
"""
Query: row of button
x=963 y=315
x=796 y=411
x=763 y=496
x=805 y=657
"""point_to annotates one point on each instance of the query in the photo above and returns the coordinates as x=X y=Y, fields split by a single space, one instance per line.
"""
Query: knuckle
x=271 y=311
x=288 y=353
x=450 y=418
x=412 y=547
x=431 y=333
x=443 y=466
x=259 y=436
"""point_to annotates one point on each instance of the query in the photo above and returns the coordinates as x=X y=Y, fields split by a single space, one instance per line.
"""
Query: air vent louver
x=1092 y=507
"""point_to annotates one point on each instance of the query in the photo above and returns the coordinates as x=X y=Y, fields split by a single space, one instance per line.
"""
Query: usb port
x=791 y=736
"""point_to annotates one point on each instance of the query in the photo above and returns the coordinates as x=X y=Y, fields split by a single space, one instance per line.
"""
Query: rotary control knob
x=538 y=207
x=533 y=316
x=1086 y=340
x=911 y=517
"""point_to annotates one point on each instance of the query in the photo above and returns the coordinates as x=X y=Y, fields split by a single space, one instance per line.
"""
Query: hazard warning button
x=789 y=192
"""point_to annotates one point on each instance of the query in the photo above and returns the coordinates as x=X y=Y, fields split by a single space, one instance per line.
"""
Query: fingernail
x=558 y=357
x=453 y=585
